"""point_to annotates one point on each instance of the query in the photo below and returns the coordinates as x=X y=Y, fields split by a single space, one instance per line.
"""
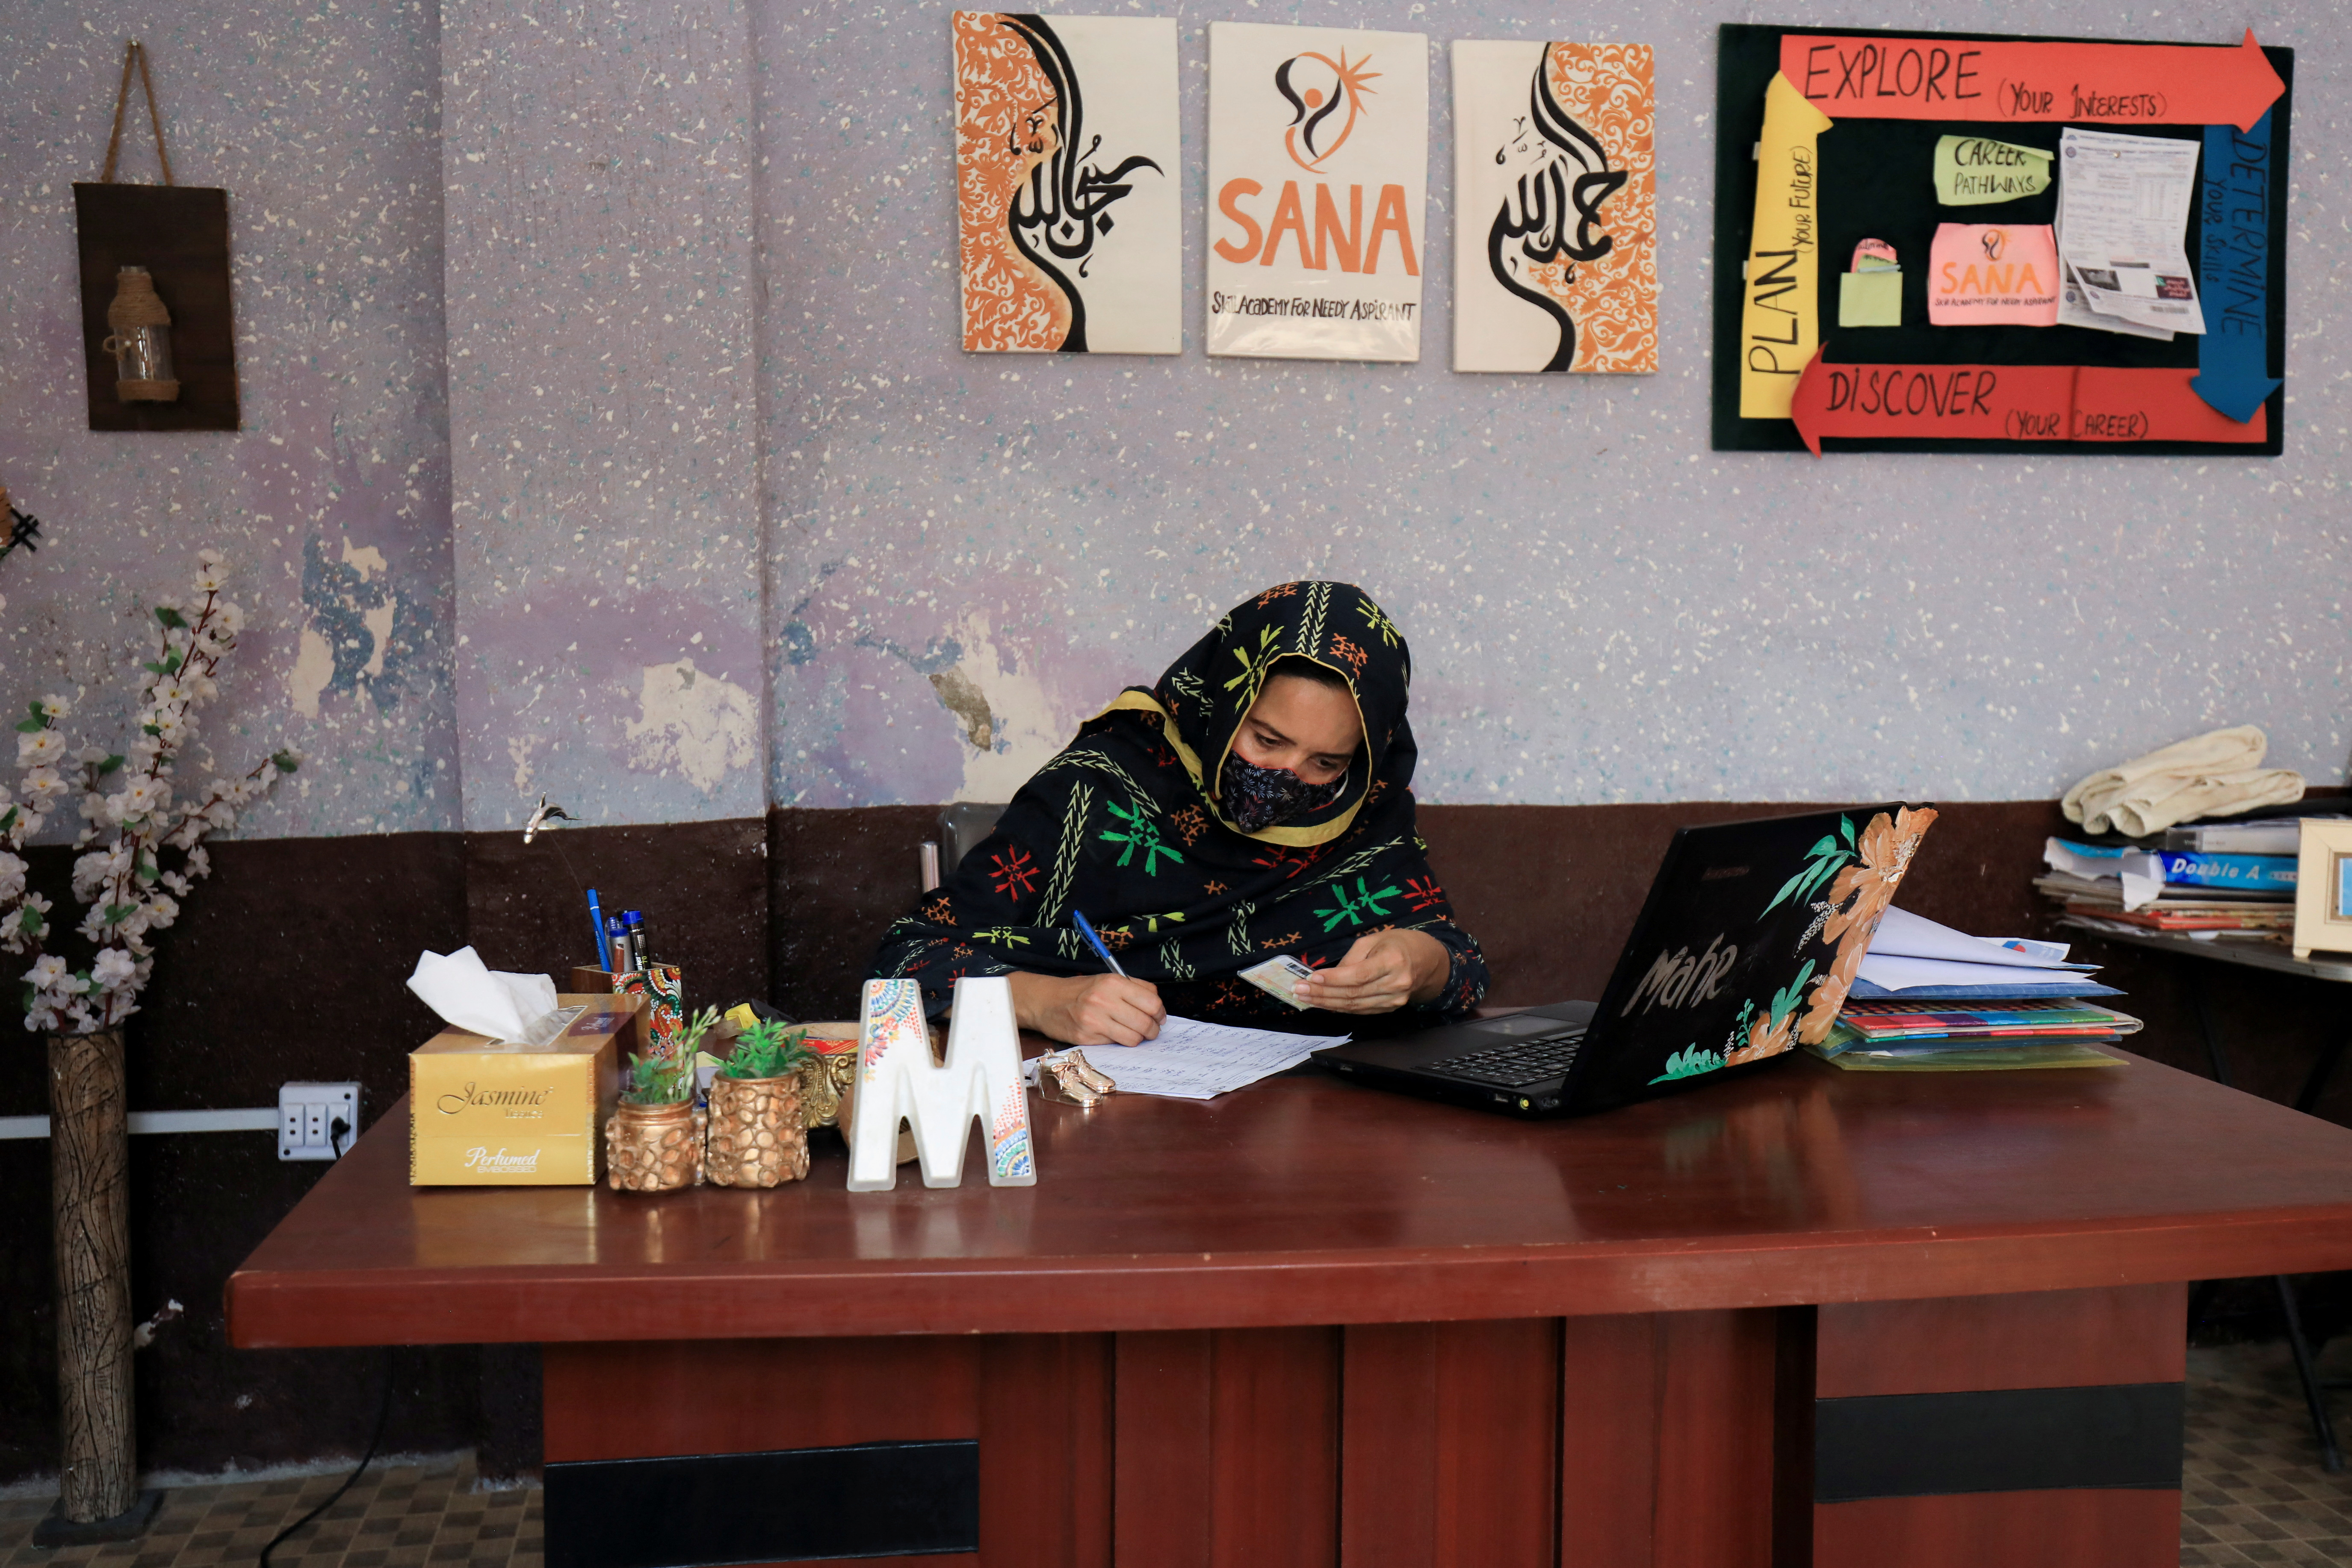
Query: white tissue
x=471 y=995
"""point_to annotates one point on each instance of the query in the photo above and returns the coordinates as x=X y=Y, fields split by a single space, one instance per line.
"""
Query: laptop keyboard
x=1518 y=1064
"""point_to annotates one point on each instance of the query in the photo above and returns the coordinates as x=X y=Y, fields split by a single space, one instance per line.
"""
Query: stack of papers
x=1904 y=1011
x=2207 y=896
x=1193 y=1060
x=1916 y=959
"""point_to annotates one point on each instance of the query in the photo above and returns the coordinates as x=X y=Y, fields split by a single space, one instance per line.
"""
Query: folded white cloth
x=2214 y=775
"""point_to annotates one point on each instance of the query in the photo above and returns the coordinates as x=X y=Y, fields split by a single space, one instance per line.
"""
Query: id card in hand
x=1279 y=977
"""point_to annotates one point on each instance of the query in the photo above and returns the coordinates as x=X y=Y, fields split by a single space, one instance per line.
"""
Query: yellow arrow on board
x=1779 y=317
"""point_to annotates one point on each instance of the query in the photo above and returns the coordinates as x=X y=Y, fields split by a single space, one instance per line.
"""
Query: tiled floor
x=407 y=1516
x=2253 y=1491
x=2255 y=1494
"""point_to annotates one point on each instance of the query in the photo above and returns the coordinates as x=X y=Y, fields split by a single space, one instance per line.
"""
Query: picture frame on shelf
x=2322 y=889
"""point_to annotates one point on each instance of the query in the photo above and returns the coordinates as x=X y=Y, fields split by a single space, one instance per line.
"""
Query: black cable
x=383 y=1414
x=335 y=1131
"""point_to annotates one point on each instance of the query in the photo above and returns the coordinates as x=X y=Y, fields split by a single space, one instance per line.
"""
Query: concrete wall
x=333 y=503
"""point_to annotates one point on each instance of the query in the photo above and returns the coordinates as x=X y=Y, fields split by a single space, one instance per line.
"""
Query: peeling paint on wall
x=331 y=504
x=696 y=725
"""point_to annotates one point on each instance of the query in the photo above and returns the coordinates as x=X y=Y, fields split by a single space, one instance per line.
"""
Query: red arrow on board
x=2008 y=403
x=1952 y=78
x=1945 y=402
x=2115 y=404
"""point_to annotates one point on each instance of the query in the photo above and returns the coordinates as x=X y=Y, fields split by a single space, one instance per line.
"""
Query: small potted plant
x=758 y=1137
x=653 y=1143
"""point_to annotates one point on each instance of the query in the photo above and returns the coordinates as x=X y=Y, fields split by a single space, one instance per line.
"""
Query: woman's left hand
x=1381 y=973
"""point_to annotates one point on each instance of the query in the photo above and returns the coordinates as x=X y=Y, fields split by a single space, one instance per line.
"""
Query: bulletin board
x=1914 y=387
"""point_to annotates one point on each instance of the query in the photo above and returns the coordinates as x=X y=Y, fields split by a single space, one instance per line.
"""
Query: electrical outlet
x=317 y=1121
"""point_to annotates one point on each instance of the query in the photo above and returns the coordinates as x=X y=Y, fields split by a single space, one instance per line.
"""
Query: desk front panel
x=2042 y=1427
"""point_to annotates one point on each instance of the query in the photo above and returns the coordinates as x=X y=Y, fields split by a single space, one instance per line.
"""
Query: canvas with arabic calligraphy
x=1318 y=161
x=1068 y=183
x=1556 y=227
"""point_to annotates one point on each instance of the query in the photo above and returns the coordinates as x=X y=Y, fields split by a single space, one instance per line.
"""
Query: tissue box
x=487 y=1115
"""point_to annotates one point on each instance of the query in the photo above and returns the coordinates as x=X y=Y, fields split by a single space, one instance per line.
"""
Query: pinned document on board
x=2124 y=214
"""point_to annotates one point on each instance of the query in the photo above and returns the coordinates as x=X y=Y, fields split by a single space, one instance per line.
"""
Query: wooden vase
x=90 y=1157
x=757 y=1137
x=654 y=1148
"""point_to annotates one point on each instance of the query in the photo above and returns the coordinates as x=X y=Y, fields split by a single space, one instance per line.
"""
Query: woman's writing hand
x=1381 y=973
x=1088 y=1009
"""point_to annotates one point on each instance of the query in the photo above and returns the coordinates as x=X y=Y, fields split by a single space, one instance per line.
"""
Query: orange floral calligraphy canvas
x=1067 y=214
x=1556 y=233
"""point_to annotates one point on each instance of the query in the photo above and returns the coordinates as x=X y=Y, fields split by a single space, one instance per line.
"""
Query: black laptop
x=1719 y=975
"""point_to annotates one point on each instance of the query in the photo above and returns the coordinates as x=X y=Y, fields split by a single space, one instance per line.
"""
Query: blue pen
x=596 y=927
x=1094 y=941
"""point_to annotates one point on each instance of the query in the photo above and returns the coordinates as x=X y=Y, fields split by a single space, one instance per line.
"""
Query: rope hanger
x=133 y=49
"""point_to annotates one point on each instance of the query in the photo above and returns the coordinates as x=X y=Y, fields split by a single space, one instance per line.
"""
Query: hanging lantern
x=142 y=344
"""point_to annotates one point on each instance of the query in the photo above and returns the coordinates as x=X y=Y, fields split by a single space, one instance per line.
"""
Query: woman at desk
x=1253 y=802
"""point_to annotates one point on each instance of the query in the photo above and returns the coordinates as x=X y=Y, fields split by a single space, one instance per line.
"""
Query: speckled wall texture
x=333 y=503
x=604 y=443
x=970 y=554
x=726 y=494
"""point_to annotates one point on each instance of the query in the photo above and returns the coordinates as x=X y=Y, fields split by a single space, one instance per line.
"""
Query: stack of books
x=2213 y=882
x=1931 y=999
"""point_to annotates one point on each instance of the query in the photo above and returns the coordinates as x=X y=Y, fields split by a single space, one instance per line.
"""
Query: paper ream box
x=482 y=1113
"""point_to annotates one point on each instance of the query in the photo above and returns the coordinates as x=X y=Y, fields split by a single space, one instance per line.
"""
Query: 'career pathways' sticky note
x=1982 y=274
x=1971 y=171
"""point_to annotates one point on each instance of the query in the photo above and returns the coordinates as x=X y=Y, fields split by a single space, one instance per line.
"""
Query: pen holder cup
x=662 y=1018
x=756 y=1136
x=654 y=1148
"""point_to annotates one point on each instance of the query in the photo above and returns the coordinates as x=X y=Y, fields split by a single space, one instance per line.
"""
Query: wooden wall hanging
x=179 y=234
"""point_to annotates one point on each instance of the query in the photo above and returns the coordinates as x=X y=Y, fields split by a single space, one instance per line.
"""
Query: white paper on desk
x=1901 y=935
x=1193 y=1060
x=471 y=994
x=1899 y=974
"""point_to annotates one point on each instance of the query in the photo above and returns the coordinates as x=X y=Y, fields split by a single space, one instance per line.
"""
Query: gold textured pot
x=757 y=1137
x=654 y=1148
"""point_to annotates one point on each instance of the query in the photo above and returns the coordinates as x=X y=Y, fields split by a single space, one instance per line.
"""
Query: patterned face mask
x=1257 y=798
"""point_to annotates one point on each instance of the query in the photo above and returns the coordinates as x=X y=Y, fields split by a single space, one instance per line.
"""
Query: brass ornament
x=1068 y=1077
x=827 y=1081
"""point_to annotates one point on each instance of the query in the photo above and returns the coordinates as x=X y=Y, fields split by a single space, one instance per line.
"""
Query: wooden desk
x=1799 y=1316
x=2277 y=960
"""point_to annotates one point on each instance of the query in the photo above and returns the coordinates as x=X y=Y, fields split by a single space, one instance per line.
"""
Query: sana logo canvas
x=1555 y=257
x=1068 y=211
x=1318 y=164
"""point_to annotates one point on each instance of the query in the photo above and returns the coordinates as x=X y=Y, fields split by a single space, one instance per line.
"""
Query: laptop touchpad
x=1518 y=1024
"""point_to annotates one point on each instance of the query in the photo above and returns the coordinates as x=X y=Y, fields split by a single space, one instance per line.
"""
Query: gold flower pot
x=757 y=1137
x=654 y=1148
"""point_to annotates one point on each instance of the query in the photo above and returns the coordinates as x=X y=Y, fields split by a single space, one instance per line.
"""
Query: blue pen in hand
x=1087 y=931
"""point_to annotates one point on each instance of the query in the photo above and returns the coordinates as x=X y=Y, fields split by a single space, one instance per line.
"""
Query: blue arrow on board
x=2233 y=356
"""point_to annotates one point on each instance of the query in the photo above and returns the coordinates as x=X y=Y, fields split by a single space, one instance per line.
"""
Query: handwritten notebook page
x=1193 y=1060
